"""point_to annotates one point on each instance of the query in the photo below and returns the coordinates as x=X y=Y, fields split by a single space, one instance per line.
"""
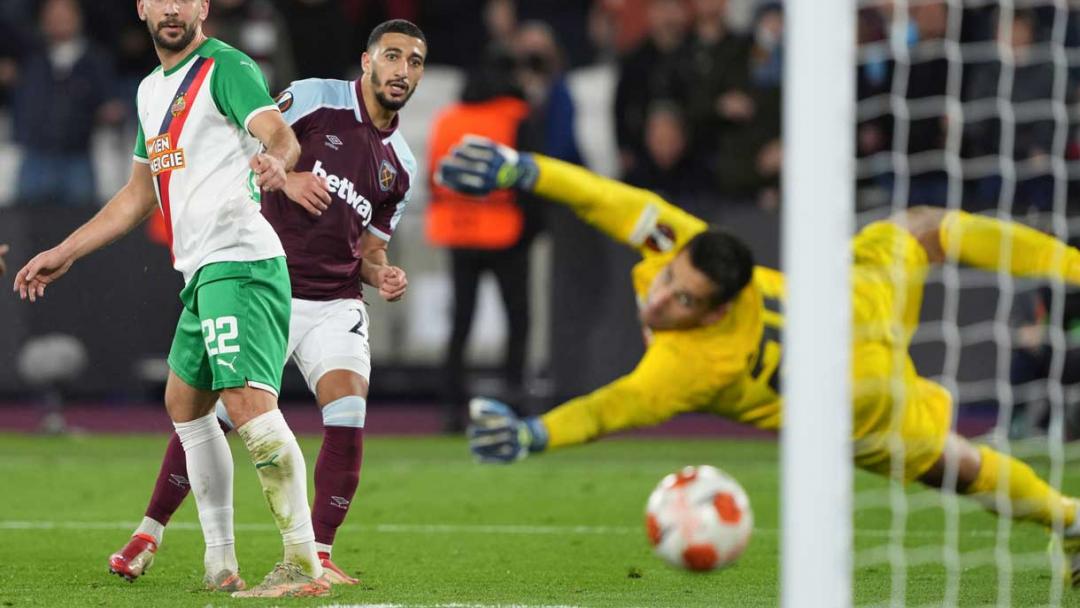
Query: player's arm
x=240 y=93
x=376 y=270
x=665 y=383
x=129 y=208
x=979 y=240
x=282 y=150
x=637 y=217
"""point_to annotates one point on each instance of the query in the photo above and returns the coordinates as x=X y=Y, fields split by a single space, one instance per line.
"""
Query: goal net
x=960 y=104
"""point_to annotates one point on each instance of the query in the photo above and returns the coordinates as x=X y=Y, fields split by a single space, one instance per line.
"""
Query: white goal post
x=817 y=224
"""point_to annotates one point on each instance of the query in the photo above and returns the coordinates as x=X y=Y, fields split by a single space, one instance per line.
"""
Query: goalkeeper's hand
x=478 y=165
x=497 y=435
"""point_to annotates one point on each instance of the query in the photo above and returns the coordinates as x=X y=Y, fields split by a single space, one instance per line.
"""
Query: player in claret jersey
x=335 y=218
x=209 y=138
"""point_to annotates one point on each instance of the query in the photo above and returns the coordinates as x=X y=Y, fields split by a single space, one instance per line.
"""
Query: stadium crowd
x=697 y=101
x=696 y=114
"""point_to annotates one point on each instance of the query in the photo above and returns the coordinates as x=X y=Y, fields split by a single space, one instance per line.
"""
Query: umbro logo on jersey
x=387 y=175
x=333 y=141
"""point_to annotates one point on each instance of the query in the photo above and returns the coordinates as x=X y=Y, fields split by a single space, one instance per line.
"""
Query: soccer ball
x=699 y=518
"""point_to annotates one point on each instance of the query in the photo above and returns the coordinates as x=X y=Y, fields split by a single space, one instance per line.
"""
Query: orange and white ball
x=699 y=518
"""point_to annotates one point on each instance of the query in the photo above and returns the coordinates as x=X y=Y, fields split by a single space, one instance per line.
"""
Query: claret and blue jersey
x=370 y=173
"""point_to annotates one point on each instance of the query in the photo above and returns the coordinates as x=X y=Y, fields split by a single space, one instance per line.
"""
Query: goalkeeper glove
x=478 y=165
x=496 y=434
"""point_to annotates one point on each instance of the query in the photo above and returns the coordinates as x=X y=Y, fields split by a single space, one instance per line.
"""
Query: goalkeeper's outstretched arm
x=990 y=244
x=666 y=382
x=637 y=217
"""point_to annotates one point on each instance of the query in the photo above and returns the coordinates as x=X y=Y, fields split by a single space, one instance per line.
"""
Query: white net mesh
x=970 y=104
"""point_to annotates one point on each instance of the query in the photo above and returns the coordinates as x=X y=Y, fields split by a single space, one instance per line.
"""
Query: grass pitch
x=430 y=528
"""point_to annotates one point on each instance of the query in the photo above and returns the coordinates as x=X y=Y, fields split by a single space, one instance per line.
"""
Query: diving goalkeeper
x=712 y=321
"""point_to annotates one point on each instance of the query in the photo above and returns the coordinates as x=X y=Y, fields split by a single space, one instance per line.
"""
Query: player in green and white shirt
x=210 y=138
x=193 y=122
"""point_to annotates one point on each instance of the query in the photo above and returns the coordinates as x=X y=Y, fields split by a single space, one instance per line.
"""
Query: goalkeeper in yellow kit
x=713 y=320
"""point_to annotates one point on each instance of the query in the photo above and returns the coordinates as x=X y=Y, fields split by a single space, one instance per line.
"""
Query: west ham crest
x=387 y=175
x=179 y=104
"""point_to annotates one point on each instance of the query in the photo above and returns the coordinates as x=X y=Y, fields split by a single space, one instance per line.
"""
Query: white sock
x=283 y=475
x=153 y=528
x=321 y=548
x=210 y=471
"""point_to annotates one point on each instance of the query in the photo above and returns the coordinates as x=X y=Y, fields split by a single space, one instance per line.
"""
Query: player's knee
x=338 y=383
x=246 y=403
x=959 y=455
x=223 y=416
x=348 y=411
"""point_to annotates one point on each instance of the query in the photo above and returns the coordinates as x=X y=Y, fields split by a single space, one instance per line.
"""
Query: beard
x=179 y=44
x=388 y=104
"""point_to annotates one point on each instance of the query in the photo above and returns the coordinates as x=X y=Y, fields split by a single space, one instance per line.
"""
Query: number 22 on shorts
x=218 y=333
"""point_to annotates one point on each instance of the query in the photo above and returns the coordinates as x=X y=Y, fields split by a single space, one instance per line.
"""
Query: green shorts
x=234 y=328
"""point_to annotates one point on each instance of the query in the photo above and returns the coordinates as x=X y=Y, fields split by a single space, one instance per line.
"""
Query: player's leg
x=209 y=466
x=511 y=268
x=172 y=486
x=334 y=358
x=170 y=490
x=189 y=399
x=466 y=267
x=244 y=310
x=1001 y=482
x=989 y=476
x=342 y=395
x=188 y=357
x=977 y=240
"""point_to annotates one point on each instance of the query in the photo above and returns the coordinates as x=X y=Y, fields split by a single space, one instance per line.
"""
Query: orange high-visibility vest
x=470 y=222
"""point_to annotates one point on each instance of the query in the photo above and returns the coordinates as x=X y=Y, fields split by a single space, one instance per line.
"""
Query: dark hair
x=723 y=258
x=395 y=26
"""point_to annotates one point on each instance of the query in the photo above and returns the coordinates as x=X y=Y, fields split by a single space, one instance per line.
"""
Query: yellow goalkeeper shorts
x=899 y=421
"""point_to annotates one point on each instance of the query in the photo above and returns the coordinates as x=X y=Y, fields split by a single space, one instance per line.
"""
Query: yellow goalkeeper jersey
x=730 y=368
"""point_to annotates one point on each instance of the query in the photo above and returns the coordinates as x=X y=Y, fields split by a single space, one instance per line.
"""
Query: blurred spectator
x=927 y=81
x=3 y=266
x=461 y=38
x=925 y=86
x=540 y=75
x=320 y=36
x=258 y=29
x=750 y=153
x=489 y=234
x=62 y=88
x=500 y=17
x=873 y=77
x=118 y=29
x=364 y=15
x=668 y=167
x=1033 y=80
x=1032 y=359
x=719 y=99
x=657 y=69
x=570 y=18
x=618 y=26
